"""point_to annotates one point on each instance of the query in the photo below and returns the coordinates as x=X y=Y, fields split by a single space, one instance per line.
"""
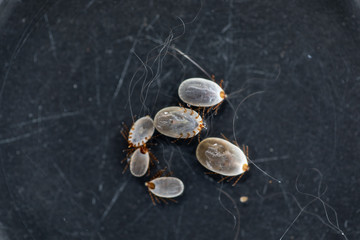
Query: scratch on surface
x=51 y=37
x=13 y=201
x=178 y=225
x=286 y=200
x=113 y=200
x=127 y=63
x=193 y=36
x=230 y=16
x=89 y=4
x=270 y=159
x=97 y=77
x=62 y=175
x=140 y=215
x=14 y=139
x=43 y=119
x=23 y=38
x=184 y=160
x=3 y=235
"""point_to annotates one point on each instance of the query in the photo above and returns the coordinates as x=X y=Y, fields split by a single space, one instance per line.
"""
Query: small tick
x=161 y=188
x=222 y=157
x=138 y=155
x=201 y=92
x=178 y=122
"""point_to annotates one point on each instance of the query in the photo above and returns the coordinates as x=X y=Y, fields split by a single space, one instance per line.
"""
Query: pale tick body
x=138 y=155
x=141 y=131
x=178 y=122
x=201 y=92
x=222 y=157
x=166 y=187
x=139 y=162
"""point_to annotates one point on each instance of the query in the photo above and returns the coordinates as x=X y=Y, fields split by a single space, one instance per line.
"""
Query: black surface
x=66 y=67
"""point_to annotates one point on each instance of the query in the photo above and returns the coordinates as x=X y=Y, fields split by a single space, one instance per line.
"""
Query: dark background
x=65 y=71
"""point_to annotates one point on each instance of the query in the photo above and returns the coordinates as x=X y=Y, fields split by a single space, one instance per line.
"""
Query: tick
x=140 y=132
x=178 y=122
x=201 y=92
x=222 y=157
x=161 y=188
x=139 y=161
x=138 y=155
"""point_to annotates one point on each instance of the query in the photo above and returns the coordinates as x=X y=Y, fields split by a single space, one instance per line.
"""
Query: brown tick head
x=223 y=95
x=150 y=185
x=245 y=167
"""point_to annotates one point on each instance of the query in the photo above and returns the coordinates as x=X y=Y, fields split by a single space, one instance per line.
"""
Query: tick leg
x=221 y=83
x=125 y=127
x=153 y=158
x=181 y=135
x=157 y=199
x=182 y=107
x=124 y=134
x=191 y=139
x=152 y=144
x=159 y=173
x=224 y=178
x=129 y=151
x=245 y=149
x=216 y=108
x=208 y=173
x=122 y=161
x=173 y=200
x=125 y=168
x=164 y=201
x=238 y=179
x=152 y=198
x=224 y=137
x=231 y=178
x=203 y=112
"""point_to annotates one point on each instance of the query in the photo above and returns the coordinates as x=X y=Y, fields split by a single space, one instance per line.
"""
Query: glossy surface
x=200 y=92
x=178 y=122
x=141 y=131
x=167 y=187
x=221 y=156
x=139 y=163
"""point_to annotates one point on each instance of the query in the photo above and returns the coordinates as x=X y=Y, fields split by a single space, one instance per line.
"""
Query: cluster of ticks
x=218 y=155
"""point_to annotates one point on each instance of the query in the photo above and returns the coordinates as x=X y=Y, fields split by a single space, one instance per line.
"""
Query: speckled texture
x=65 y=72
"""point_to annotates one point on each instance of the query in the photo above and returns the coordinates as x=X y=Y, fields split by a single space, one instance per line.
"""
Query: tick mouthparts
x=150 y=185
x=223 y=95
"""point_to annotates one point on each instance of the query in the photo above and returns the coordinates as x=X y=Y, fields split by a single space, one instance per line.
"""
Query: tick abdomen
x=200 y=92
x=167 y=187
x=139 y=163
x=141 y=131
x=221 y=156
x=178 y=122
